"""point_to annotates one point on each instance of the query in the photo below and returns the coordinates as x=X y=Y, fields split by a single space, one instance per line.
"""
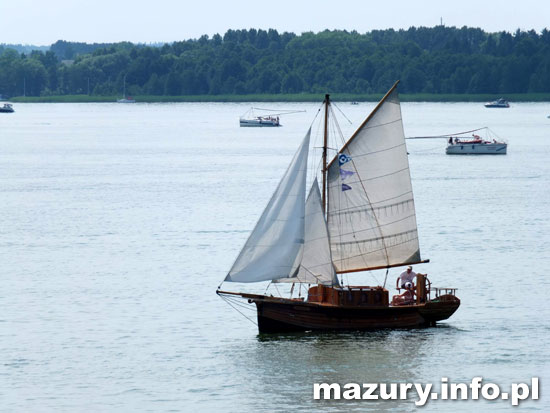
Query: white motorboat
x=476 y=145
x=6 y=108
x=499 y=103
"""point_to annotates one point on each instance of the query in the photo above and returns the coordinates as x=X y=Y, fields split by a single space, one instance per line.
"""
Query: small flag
x=343 y=158
x=345 y=187
x=345 y=174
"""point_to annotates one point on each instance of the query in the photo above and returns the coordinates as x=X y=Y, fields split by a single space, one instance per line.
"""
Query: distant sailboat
x=125 y=99
x=362 y=218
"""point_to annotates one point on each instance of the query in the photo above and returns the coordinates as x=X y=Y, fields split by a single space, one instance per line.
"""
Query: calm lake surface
x=120 y=221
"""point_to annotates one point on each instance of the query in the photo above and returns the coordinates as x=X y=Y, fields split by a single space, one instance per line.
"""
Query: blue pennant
x=345 y=174
x=343 y=158
x=345 y=187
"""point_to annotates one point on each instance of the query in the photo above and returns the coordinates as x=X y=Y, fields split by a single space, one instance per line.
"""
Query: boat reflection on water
x=284 y=367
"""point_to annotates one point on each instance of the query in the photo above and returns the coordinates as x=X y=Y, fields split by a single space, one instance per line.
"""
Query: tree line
x=427 y=60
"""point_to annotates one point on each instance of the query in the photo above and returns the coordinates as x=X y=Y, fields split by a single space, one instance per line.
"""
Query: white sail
x=371 y=215
x=271 y=250
x=315 y=261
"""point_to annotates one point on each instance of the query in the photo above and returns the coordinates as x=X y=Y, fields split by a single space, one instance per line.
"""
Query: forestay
x=271 y=250
x=314 y=261
x=371 y=215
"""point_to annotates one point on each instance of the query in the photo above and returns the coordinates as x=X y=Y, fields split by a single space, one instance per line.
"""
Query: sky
x=104 y=21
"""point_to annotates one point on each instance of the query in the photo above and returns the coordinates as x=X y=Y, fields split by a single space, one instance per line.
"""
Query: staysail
x=371 y=215
x=315 y=261
x=271 y=250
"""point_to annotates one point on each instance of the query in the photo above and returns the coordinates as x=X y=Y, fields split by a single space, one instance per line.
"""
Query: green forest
x=436 y=60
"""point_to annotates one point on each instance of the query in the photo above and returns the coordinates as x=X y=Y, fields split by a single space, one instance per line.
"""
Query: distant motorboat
x=499 y=103
x=6 y=108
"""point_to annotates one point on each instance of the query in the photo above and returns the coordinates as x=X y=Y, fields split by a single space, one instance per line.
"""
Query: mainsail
x=371 y=215
x=314 y=261
x=271 y=250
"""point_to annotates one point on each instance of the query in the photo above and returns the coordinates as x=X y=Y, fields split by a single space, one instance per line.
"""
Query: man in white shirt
x=406 y=279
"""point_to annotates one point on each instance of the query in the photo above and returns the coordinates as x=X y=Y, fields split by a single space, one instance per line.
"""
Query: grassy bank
x=301 y=97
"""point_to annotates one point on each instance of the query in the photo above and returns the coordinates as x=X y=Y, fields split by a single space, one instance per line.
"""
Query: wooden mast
x=325 y=145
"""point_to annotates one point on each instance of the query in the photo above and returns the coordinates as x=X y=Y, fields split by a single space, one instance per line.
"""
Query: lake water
x=120 y=221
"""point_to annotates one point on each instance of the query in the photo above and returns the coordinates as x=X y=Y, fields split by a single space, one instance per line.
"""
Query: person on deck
x=406 y=278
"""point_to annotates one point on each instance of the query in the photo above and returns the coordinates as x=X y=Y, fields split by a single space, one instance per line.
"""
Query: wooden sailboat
x=362 y=218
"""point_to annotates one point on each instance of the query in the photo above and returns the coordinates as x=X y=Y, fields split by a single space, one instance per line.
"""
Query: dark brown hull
x=277 y=315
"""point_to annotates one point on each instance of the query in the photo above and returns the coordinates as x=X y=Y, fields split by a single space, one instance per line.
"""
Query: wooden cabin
x=362 y=296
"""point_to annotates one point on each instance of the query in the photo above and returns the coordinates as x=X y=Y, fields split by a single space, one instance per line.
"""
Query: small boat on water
x=476 y=145
x=251 y=119
x=463 y=143
x=125 y=99
x=7 y=108
x=259 y=121
x=499 y=103
x=360 y=218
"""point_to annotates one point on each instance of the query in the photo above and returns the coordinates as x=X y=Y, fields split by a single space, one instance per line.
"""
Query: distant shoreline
x=301 y=97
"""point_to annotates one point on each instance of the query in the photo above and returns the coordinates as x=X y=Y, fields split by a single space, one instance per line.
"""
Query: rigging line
x=317 y=114
x=236 y=309
x=381 y=150
x=342 y=113
x=244 y=306
x=386 y=277
x=338 y=129
x=447 y=135
x=382 y=124
x=282 y=112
